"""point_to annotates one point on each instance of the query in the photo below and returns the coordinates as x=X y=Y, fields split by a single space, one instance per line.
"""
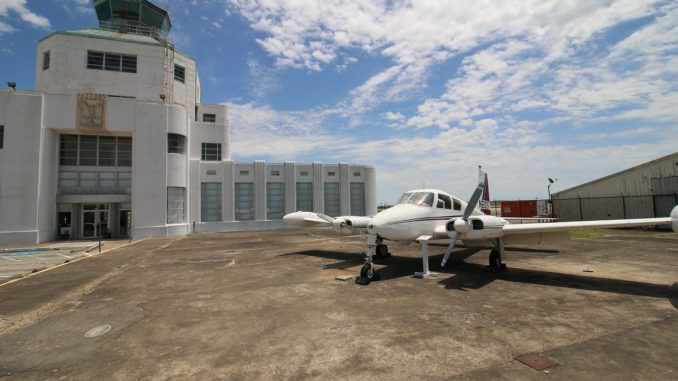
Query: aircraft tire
x=495 y=259
x=382 y=251
x=369 y=272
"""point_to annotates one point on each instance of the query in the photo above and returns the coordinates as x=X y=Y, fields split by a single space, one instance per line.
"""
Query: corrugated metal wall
x=645 y=191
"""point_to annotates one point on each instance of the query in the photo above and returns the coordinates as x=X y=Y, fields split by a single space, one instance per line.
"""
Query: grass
x=596 y=233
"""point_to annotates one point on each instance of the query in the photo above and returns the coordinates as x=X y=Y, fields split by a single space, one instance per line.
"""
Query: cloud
x=19 y=7
x=6 y=28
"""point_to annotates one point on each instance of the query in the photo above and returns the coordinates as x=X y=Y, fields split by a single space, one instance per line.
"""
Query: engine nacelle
x=352 y=225
x=477 y=227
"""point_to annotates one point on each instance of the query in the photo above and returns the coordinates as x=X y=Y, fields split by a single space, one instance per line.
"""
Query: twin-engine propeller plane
x=423 y=215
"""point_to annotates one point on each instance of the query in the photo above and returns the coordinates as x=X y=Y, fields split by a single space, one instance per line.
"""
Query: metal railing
x=127 y=26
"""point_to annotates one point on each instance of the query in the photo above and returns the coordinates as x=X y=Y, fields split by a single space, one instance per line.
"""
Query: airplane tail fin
x=485 y=199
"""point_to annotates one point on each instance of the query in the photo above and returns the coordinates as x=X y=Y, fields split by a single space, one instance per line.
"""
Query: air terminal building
x=115 y=142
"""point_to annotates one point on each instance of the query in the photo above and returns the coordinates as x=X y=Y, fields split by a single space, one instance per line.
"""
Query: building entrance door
x=94 y=220
x=125 y=221
x=64 y=219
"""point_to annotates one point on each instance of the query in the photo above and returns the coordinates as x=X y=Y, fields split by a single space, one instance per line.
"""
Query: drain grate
x=536 y=361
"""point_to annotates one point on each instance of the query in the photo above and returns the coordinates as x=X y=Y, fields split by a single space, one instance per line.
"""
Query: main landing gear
x=496 y=265
x=375 y=247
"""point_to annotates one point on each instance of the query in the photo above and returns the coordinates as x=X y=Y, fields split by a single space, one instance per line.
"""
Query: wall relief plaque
x=91 y=112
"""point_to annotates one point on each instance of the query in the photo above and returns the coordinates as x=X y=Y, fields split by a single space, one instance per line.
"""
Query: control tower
x=133 y=16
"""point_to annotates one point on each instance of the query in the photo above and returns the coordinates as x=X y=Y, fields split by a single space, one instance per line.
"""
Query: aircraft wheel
x=368 y=272
x=382 y=251
x=495 y=259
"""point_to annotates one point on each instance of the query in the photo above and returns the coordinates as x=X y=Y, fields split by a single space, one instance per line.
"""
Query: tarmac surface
x=266 y=306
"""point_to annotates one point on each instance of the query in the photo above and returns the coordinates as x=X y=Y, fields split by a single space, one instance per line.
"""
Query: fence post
x=581 y=215
x=623 y=204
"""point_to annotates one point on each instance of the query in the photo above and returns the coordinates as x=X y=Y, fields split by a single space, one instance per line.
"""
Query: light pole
x=548 y=187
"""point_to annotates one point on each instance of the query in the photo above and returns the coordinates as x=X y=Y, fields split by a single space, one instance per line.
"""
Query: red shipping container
x=520 y=208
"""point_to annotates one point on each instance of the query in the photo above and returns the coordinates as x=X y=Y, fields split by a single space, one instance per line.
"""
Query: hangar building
x=644 y=191
x=116 y=142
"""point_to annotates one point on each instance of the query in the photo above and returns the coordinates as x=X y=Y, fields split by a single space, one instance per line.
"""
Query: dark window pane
x=129 y=64
x=88 y=150
x=95 y=60
x=107 y=151
x=68 y=150
x=176 y=143
x=112 y=62
x=179 y=73
x=124 y=152
x=210 y=118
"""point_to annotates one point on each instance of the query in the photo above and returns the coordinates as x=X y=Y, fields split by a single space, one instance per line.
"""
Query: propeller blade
x=449 y=249
x=475 y=197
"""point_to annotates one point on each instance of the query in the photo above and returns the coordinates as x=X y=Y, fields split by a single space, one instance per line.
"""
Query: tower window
x=45 y=60
x=211 y=151
x=2 y=136
x=179 y=73
x=176 y=143
x=111 y=62
x=210 y=118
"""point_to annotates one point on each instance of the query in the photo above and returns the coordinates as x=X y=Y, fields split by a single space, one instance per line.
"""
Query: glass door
x=125 y=222
x=94 y=220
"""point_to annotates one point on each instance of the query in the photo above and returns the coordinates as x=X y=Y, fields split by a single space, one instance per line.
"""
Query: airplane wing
x=511 y=229
x=345 y=224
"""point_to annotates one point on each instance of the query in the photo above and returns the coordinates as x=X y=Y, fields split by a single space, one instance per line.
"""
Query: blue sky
x=423 y=90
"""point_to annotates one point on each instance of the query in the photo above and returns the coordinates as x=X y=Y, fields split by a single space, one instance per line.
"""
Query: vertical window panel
x=124 y=152
x=176 y=201
x=210 y=202
x=357 y=199
x=275 y=201
x=211 y=151
x=331 y=198
x=244 y=201
x=176 y=143
x=107 y=151
x=88 y=150
x=305 y=197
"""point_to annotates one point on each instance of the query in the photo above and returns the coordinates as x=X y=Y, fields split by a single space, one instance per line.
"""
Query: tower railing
x=133 y=27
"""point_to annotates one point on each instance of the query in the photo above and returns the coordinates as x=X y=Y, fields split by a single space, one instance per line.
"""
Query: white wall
x=21 y=114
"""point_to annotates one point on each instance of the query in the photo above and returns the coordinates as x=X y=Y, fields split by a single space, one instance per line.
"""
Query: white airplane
x=423 y=215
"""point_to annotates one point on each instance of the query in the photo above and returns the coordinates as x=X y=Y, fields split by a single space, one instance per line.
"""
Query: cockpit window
x=457 y=204
x=446 y=200
x=421 y=198
x=403 y=199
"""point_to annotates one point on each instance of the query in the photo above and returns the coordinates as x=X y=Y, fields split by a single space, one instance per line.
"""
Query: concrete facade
x=114 y=141
x=644 y=191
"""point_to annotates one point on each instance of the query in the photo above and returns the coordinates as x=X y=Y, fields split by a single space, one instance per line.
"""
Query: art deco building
x=115 y=141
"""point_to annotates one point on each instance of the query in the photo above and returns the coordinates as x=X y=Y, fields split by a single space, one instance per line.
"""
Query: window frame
x=206 y=155
x=116 y=62
x=171 y=216
x=208 y=213
x=275 y=207
x=176 y=143
x=209 y=118
x=2 y=136
x=179 y=73
x=46 y=58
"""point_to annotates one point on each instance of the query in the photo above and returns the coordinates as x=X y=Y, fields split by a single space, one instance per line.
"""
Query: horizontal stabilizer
x=307 y=219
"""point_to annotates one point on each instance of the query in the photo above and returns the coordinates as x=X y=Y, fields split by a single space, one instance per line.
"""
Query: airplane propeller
x=462 y=225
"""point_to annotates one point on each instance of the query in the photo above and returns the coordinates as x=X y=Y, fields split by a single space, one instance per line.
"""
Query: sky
x=424 y=91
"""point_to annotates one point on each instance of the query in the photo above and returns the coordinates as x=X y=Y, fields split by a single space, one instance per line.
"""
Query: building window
x=124 y=179
x=210 y=202
x=209 y=118
x=303 y=173
x=111 y=62
x=275 y=173
x=356 y=174
x=332 y=199
x=331 y=173
x=68 y=179
x=244 y=201
x=45 y=60
x=357 y=199
x=176 y=143
x=305 y=197
x=124 y=152
x=176 y=198
x=107 y=151
x=211 y=151
x=244 y=173
x=179 y=73
x=275 y=201
x=68 y=150
x=2 y=136
x=88 y=151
